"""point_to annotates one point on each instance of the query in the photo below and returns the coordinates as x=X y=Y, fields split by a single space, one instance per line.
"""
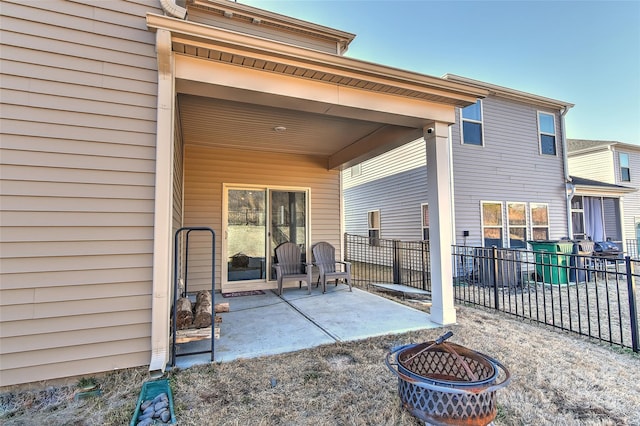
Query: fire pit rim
x=447 y=386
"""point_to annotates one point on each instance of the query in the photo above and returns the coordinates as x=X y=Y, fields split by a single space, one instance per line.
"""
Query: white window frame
x=554 y=134
x=422 y=216
x=533 y=225
x=481 y=122
x=620 y=167
x=483 y=226
x=581 y=213
x=373 y=216
x=509 y=226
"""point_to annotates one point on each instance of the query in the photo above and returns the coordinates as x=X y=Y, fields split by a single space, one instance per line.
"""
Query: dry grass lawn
x=557 y=379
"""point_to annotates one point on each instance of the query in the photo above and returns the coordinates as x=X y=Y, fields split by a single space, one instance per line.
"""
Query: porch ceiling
x=222 y=123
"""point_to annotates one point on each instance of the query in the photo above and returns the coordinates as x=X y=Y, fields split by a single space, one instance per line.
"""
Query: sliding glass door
x=258 y=219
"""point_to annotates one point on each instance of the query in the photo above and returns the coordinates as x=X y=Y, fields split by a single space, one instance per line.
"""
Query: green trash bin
x=552 y=260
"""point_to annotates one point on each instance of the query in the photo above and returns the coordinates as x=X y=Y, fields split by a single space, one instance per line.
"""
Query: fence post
x=397 y=276
x=345 y=255
x=425 y=272
x=494 y=266
x=631 y=286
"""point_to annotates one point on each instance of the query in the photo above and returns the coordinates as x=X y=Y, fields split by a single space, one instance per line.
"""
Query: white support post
x=440 y=226
x=162 y=241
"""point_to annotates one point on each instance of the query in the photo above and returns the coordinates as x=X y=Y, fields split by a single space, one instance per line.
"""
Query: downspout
x=570 y=189
x=162 y=241
x=172 y=9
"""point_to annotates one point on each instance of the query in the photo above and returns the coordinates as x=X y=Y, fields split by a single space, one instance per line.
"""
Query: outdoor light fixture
x=280 y=129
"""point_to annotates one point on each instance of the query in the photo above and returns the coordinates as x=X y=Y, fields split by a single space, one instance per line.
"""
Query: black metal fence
x=388 y=261
x=573 y=291
x=632 y=248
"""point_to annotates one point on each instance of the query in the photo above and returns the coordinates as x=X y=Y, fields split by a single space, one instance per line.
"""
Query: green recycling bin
x=552 y=260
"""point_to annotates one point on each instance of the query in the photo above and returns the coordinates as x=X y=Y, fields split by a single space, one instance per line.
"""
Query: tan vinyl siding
x=178 y=161
x=78 y=164
x=207 y=169
x=245 y=27
x=597 y=165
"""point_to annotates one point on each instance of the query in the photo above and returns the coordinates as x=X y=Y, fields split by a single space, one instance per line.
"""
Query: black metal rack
x=177 y=248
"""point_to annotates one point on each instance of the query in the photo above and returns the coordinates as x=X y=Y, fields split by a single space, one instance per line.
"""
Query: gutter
x=172 y=9
x=570 y=187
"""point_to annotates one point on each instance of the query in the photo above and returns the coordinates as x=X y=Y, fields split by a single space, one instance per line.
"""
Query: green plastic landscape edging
x=149 y=391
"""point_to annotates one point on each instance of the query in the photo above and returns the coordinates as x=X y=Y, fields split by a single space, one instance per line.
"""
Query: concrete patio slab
x=267 y=324
x=356 y=315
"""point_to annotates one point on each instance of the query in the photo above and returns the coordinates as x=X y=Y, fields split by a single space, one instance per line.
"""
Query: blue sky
x=583 y=52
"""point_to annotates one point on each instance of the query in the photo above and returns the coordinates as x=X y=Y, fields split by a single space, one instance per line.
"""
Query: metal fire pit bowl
x=447 y=384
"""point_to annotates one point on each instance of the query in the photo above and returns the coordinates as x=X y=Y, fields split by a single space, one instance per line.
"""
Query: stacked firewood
x=198 y=315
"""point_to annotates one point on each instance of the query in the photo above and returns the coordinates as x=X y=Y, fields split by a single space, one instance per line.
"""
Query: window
x=374 y=227
x=625 y=174
x=491 y=223
x=472 y=124
x=539 y=221
x=577 y=217
x=425 y=222
x=356 y=170
x=517 y=223
x=547 y=130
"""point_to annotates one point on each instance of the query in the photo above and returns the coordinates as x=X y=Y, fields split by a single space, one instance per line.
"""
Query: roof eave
x=292 y=24
x=513 y=94
x=459 y=94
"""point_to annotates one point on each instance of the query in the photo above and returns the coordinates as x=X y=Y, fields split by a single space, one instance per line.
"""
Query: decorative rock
x=160 y=405
x=154 y=411
x=161 y=397
x=145 y=416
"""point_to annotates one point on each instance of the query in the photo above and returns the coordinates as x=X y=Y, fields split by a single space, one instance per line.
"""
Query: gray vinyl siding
x=407 y=157
x=597 y=165
x=398 y=197
x=507 y=168
x=78 y=172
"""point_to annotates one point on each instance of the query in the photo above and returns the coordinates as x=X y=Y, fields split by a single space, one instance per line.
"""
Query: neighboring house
x=605 y=180
x=121 y=125
x=509 y=176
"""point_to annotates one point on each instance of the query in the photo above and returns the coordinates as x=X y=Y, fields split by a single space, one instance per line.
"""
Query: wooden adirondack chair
x=325 y=259
x=289 y=266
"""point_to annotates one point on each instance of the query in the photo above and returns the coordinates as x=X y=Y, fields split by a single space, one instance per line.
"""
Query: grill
x=447 y=384
x=607 y=250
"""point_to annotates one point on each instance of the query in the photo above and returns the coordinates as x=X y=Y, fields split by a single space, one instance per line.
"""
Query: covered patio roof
x=342 y=108
x=227 y=85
